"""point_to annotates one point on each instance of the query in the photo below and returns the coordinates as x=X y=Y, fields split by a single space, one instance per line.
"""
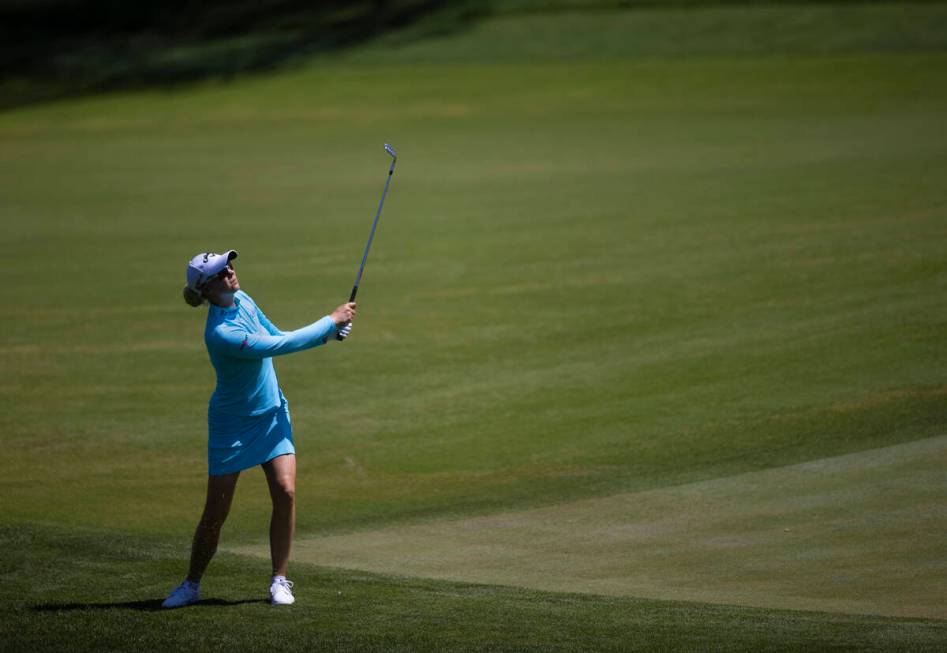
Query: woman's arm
x=231 y=341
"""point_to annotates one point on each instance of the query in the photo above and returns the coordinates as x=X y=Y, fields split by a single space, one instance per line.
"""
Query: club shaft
x=371 y=235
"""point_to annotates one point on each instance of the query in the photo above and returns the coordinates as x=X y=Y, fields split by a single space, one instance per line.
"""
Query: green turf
x=675 y=272
x=94 y=591
x=854 y=534
x=591 y=277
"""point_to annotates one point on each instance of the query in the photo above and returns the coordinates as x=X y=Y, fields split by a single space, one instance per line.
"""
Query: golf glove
x=344 y=331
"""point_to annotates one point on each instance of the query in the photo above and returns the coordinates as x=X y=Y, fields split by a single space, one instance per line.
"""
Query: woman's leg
x=220 y=490
x=281 y=477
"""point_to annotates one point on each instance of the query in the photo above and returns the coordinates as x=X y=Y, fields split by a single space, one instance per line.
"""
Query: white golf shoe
x=184 y=594
x=281 y=592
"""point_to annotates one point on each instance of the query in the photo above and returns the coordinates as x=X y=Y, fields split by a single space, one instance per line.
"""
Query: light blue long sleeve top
x=241 y=342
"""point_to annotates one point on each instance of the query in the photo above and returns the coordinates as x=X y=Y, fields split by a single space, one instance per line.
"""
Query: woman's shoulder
x=222 y=333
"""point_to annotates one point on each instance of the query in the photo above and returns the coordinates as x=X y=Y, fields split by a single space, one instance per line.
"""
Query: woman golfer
x=248 y=418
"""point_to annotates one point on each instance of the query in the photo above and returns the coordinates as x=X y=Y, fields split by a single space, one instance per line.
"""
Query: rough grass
x=653 y=30
x=590 y=278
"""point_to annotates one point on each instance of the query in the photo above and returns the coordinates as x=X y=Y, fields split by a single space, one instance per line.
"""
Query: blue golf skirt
x=235 y=442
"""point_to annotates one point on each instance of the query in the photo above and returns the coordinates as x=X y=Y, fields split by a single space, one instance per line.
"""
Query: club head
x=390 y=150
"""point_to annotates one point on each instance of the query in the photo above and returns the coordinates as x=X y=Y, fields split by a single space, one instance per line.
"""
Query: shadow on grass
x=57 y=49
x=150 y=605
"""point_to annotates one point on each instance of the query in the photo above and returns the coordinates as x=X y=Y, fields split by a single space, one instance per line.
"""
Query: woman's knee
x=214 y=517
x=220 y=491
x=283 y=492
x=215 y=513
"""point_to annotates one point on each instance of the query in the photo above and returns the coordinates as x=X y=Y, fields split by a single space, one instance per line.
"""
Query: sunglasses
x=223 y=274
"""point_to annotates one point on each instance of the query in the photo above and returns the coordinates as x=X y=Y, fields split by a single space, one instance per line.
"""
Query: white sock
x=278 y=578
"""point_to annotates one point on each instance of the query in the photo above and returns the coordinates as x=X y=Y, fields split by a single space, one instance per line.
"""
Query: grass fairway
x=853 y=534
x=597 y=281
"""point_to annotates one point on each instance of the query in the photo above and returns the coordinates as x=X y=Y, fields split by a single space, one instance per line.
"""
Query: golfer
x=248 y=417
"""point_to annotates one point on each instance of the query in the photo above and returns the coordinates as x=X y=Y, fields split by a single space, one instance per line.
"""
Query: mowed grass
x=859 y=533
x=113 y=583
x=591 y=278
x=675 y=271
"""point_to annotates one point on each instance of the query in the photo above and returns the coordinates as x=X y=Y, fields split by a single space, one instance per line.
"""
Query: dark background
x=57 y=48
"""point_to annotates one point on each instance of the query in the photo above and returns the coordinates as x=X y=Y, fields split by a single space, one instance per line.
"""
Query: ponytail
x=192 y=297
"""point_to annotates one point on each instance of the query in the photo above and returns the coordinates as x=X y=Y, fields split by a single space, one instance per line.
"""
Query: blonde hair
x=193 y=297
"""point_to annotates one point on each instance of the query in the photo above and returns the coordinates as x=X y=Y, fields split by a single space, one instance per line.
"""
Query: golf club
x=361 y=268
